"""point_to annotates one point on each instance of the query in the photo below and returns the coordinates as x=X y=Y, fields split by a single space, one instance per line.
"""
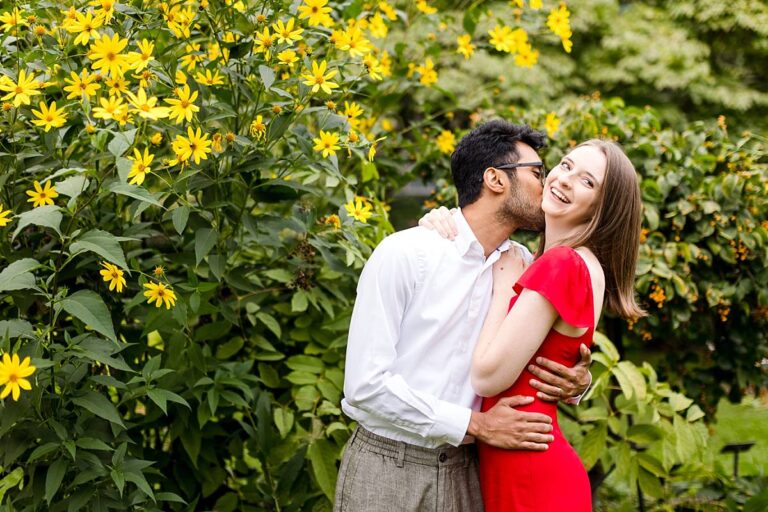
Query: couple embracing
x=461 y=342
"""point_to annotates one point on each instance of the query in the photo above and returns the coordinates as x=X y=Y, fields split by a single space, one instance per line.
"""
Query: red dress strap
x=561 y=276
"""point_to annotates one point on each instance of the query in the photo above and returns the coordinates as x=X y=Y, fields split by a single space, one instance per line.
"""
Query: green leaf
x=757 y=503
x=72 y=186
x=99 y=405
x=205 y=240
x=48 y=216
x=180 y=216
x=90 y=309
x=54 y=477
x=102 y=243
x=644 y=434
x=119 y=479
x=305 y=364
x=280 y=275
x=652 y=464
x=593 y=445
x=10 y=481
x=90 y=443
x=679 y=402
x=16 y=329
x=121 y=142
x=170 y=497
x=17 y=275
x=630 y=380
x=322 y=456
x=162 y=396
x=141 y=482
x=694 y=413
x=283 y=420
x=270 y=322
x=230 y=348
x=650 y=483
x=267 y=76
x=42 y=451
x=299 y=302
x=126 y=189
x=606 y=346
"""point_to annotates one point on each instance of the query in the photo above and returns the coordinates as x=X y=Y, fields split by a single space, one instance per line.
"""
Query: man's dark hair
x=490 y=144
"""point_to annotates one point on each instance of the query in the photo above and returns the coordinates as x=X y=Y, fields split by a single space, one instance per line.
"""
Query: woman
x=591 y=203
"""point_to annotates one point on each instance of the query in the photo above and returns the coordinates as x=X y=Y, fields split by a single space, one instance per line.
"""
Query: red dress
x=553 y=480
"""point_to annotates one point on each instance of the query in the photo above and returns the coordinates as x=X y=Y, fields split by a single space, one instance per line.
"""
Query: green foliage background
x=230 y=399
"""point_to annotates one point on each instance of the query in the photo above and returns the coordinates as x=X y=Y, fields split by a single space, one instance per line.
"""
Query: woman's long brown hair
x=613 y=233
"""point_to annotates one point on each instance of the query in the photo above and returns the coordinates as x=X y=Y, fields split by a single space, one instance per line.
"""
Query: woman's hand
x=507 y=270
x=440 y=220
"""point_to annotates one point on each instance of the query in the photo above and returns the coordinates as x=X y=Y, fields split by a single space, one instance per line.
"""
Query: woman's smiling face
x=572 y=188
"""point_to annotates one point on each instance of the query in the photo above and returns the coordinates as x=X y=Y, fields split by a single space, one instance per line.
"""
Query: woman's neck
x=556 y=232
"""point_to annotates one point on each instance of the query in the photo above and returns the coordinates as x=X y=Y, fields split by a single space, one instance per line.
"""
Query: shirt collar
x=466 y=237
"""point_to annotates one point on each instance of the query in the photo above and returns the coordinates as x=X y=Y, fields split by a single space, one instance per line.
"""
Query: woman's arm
x=508 y=340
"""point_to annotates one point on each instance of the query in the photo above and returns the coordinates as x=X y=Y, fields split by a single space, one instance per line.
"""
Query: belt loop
x=399 y=461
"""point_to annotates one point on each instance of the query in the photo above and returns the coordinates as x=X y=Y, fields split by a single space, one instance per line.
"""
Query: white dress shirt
x=421 y=303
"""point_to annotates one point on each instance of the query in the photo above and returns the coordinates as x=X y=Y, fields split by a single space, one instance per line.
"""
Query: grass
x=741 y=423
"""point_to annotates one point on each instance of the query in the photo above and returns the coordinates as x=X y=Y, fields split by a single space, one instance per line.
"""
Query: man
x=420 y=306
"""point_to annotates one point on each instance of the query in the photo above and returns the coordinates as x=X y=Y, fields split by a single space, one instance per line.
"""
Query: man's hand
x=505 y=427
x=559 y=382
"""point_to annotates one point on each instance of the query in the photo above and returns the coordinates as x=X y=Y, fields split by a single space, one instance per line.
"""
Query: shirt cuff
x=451 y=423
x=574 y=400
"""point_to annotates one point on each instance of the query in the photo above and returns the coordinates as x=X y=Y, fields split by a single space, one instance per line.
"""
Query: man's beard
x=523 y=214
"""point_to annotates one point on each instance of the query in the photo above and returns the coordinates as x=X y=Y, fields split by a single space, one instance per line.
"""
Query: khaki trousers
x=381 y=475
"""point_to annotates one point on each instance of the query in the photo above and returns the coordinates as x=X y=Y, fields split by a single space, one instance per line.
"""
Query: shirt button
x=443 y=457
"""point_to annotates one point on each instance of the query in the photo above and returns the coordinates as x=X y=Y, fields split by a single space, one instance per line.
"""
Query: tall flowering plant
x=187 y=192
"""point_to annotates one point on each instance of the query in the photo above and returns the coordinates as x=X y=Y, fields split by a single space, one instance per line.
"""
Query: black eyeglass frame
x=535 y=165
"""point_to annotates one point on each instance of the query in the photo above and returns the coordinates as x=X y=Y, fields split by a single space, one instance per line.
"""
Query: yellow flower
x=371 y=152
x=90 y=129
x=159 y=293
x=156 y=138
x=82 y=84
x=359 y=209
x=265 y=42
x=141 y=59
x=353 y=41
x=144 y=77
x=446 y=142
x=535 y=4
x=111 y=108
x=427 y=72
x=180 y=78
x=552 y=124
x=208 y=78
x=22 y=90
x=333 y=220
x=196 y=146
x=13 y=376
x=504 y=39
x=158 y=270
x=12 y=19
x=286 y=33
x=374 y=67
x=4 y=220
x=192 y=57
x=352 y=111
x=424 y=7
x=113 y=276
x=216 y=143
x=105 y=55
x=85 y=25
x=140 y=166
x=145 y=106
x=327 y=143
x=465 y=48
x=117 y=85
x=287 y=57
x=258 y=128
x=42 y=196
x=184 y=107
x=388 y=10
x=527 y=56
x=106 y=8
x=319 y=79
x=378 y=26
x=559 y=23
x=49 y=117
x=317 y=12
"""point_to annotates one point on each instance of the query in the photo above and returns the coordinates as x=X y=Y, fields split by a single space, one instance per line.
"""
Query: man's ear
x=495 y=180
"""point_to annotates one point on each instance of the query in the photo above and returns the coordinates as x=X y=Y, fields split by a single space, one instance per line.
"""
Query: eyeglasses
x=537 y=168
